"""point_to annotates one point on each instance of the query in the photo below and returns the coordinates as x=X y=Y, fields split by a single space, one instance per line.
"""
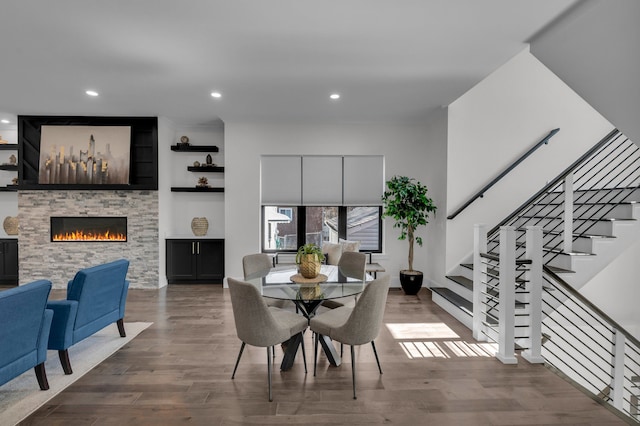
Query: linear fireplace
x=88 y=229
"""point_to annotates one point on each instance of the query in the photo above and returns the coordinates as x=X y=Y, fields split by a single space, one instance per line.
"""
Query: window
x=363 y=224
x=287 y=228
x=280 y=228
x=317 y=227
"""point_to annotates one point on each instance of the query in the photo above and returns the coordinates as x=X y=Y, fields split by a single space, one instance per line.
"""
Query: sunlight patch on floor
x=423 y=330
x=448 y=349
x=436 y=340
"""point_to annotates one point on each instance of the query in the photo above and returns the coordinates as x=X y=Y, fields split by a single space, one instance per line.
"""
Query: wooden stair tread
x=455 y=299
x=463 y=281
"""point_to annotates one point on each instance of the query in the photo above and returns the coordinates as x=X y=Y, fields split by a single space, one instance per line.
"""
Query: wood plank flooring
x=179 y=372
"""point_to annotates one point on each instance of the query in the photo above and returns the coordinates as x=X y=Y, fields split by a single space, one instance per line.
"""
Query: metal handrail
x=480 y=193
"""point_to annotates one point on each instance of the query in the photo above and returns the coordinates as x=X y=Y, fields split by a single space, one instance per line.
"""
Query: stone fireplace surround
x=39 y=258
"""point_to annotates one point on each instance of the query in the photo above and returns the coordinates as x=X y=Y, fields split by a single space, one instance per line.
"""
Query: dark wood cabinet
x=195 y=261
x=9 y=261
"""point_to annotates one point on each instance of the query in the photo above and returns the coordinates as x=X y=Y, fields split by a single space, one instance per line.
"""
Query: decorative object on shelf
x=309 y=258
x=2 y=141
x=14 y=181
x=196 y=163
x=13 y=160
x=10 y=225
x=199 y=226
x=209 y=160
x=184 y=140
x=203 y=182
x=406 y=201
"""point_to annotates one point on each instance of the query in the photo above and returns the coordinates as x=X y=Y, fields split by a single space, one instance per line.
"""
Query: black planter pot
x=411 y=282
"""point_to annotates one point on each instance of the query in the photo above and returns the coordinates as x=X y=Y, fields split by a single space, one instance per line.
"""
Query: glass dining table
x=308 y=295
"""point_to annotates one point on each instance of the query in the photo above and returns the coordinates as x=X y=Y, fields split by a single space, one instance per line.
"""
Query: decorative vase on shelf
x=10 y=225
x=199 y=226
x=209 y=160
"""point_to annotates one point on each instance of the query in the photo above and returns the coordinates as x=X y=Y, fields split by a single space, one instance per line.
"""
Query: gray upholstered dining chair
x=259 y=325
x=352 y=264
x=258 y=265
x=354 y=326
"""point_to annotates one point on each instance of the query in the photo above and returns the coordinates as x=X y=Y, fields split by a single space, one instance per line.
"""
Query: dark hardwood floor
x=179 y=372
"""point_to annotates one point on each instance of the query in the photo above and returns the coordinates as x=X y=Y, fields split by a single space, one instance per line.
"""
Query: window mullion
x=342 y=222
x=302 y=226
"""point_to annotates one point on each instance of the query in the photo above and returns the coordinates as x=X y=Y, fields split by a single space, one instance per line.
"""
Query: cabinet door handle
x=193 y=247
x=198 y=247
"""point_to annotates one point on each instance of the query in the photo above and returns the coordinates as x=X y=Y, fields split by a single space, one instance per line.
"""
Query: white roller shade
x=281 y=180
x=363 y=180
x=322 y=180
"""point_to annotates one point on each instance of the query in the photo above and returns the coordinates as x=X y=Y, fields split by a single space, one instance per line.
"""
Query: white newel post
x=507 y=289
x=479 y=286
x=618 y=369
x=568 y=213
x=534 y=296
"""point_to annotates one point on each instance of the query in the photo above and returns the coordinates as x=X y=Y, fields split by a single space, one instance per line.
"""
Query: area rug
x=22 y=396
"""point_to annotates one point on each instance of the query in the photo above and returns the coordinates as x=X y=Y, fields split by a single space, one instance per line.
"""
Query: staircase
x=584 y=228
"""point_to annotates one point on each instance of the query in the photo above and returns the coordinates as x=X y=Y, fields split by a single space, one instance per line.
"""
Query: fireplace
x=88 y=229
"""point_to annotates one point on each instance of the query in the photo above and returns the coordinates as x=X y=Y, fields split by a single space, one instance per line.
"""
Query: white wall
x=177 y=209
x=594 y=50
x=615 y=290
x=409 y=149
x=8 y=200
x=496 y=122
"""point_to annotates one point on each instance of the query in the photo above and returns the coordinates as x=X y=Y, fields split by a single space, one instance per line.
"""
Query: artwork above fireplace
x=88 y=229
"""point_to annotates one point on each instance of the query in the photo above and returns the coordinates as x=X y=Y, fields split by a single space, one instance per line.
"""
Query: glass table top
x=278 y=285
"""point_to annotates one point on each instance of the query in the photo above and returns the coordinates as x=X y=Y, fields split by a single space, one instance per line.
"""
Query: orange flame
x=82 y=236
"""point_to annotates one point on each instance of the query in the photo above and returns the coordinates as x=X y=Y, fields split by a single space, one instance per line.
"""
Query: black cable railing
x=506 y=171
x=582 y=342
x=603 y=178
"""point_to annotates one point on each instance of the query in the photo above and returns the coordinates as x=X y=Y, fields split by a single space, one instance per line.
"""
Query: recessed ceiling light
x=5 y=121
x=216 y=95
x=91 y=93
x=334 y=96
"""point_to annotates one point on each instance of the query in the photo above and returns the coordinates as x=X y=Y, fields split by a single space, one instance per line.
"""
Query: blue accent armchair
x=24 y=331
x=96 y=298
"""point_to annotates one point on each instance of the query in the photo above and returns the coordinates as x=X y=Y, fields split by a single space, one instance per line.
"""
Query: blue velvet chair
x=24 y=331
x=96 y=298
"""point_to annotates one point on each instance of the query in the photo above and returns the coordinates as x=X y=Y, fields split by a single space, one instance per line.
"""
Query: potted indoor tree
x=406 y=201
x=309 y=258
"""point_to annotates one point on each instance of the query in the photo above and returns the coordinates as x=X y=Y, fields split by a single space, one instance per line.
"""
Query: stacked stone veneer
x=39 y=258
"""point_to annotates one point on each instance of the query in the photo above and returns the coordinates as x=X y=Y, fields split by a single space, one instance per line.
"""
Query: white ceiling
x=270 y=59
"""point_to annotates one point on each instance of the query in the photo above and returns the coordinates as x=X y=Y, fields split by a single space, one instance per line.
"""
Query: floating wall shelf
x=194 y=148
x=206 y=169
x=195 y=189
